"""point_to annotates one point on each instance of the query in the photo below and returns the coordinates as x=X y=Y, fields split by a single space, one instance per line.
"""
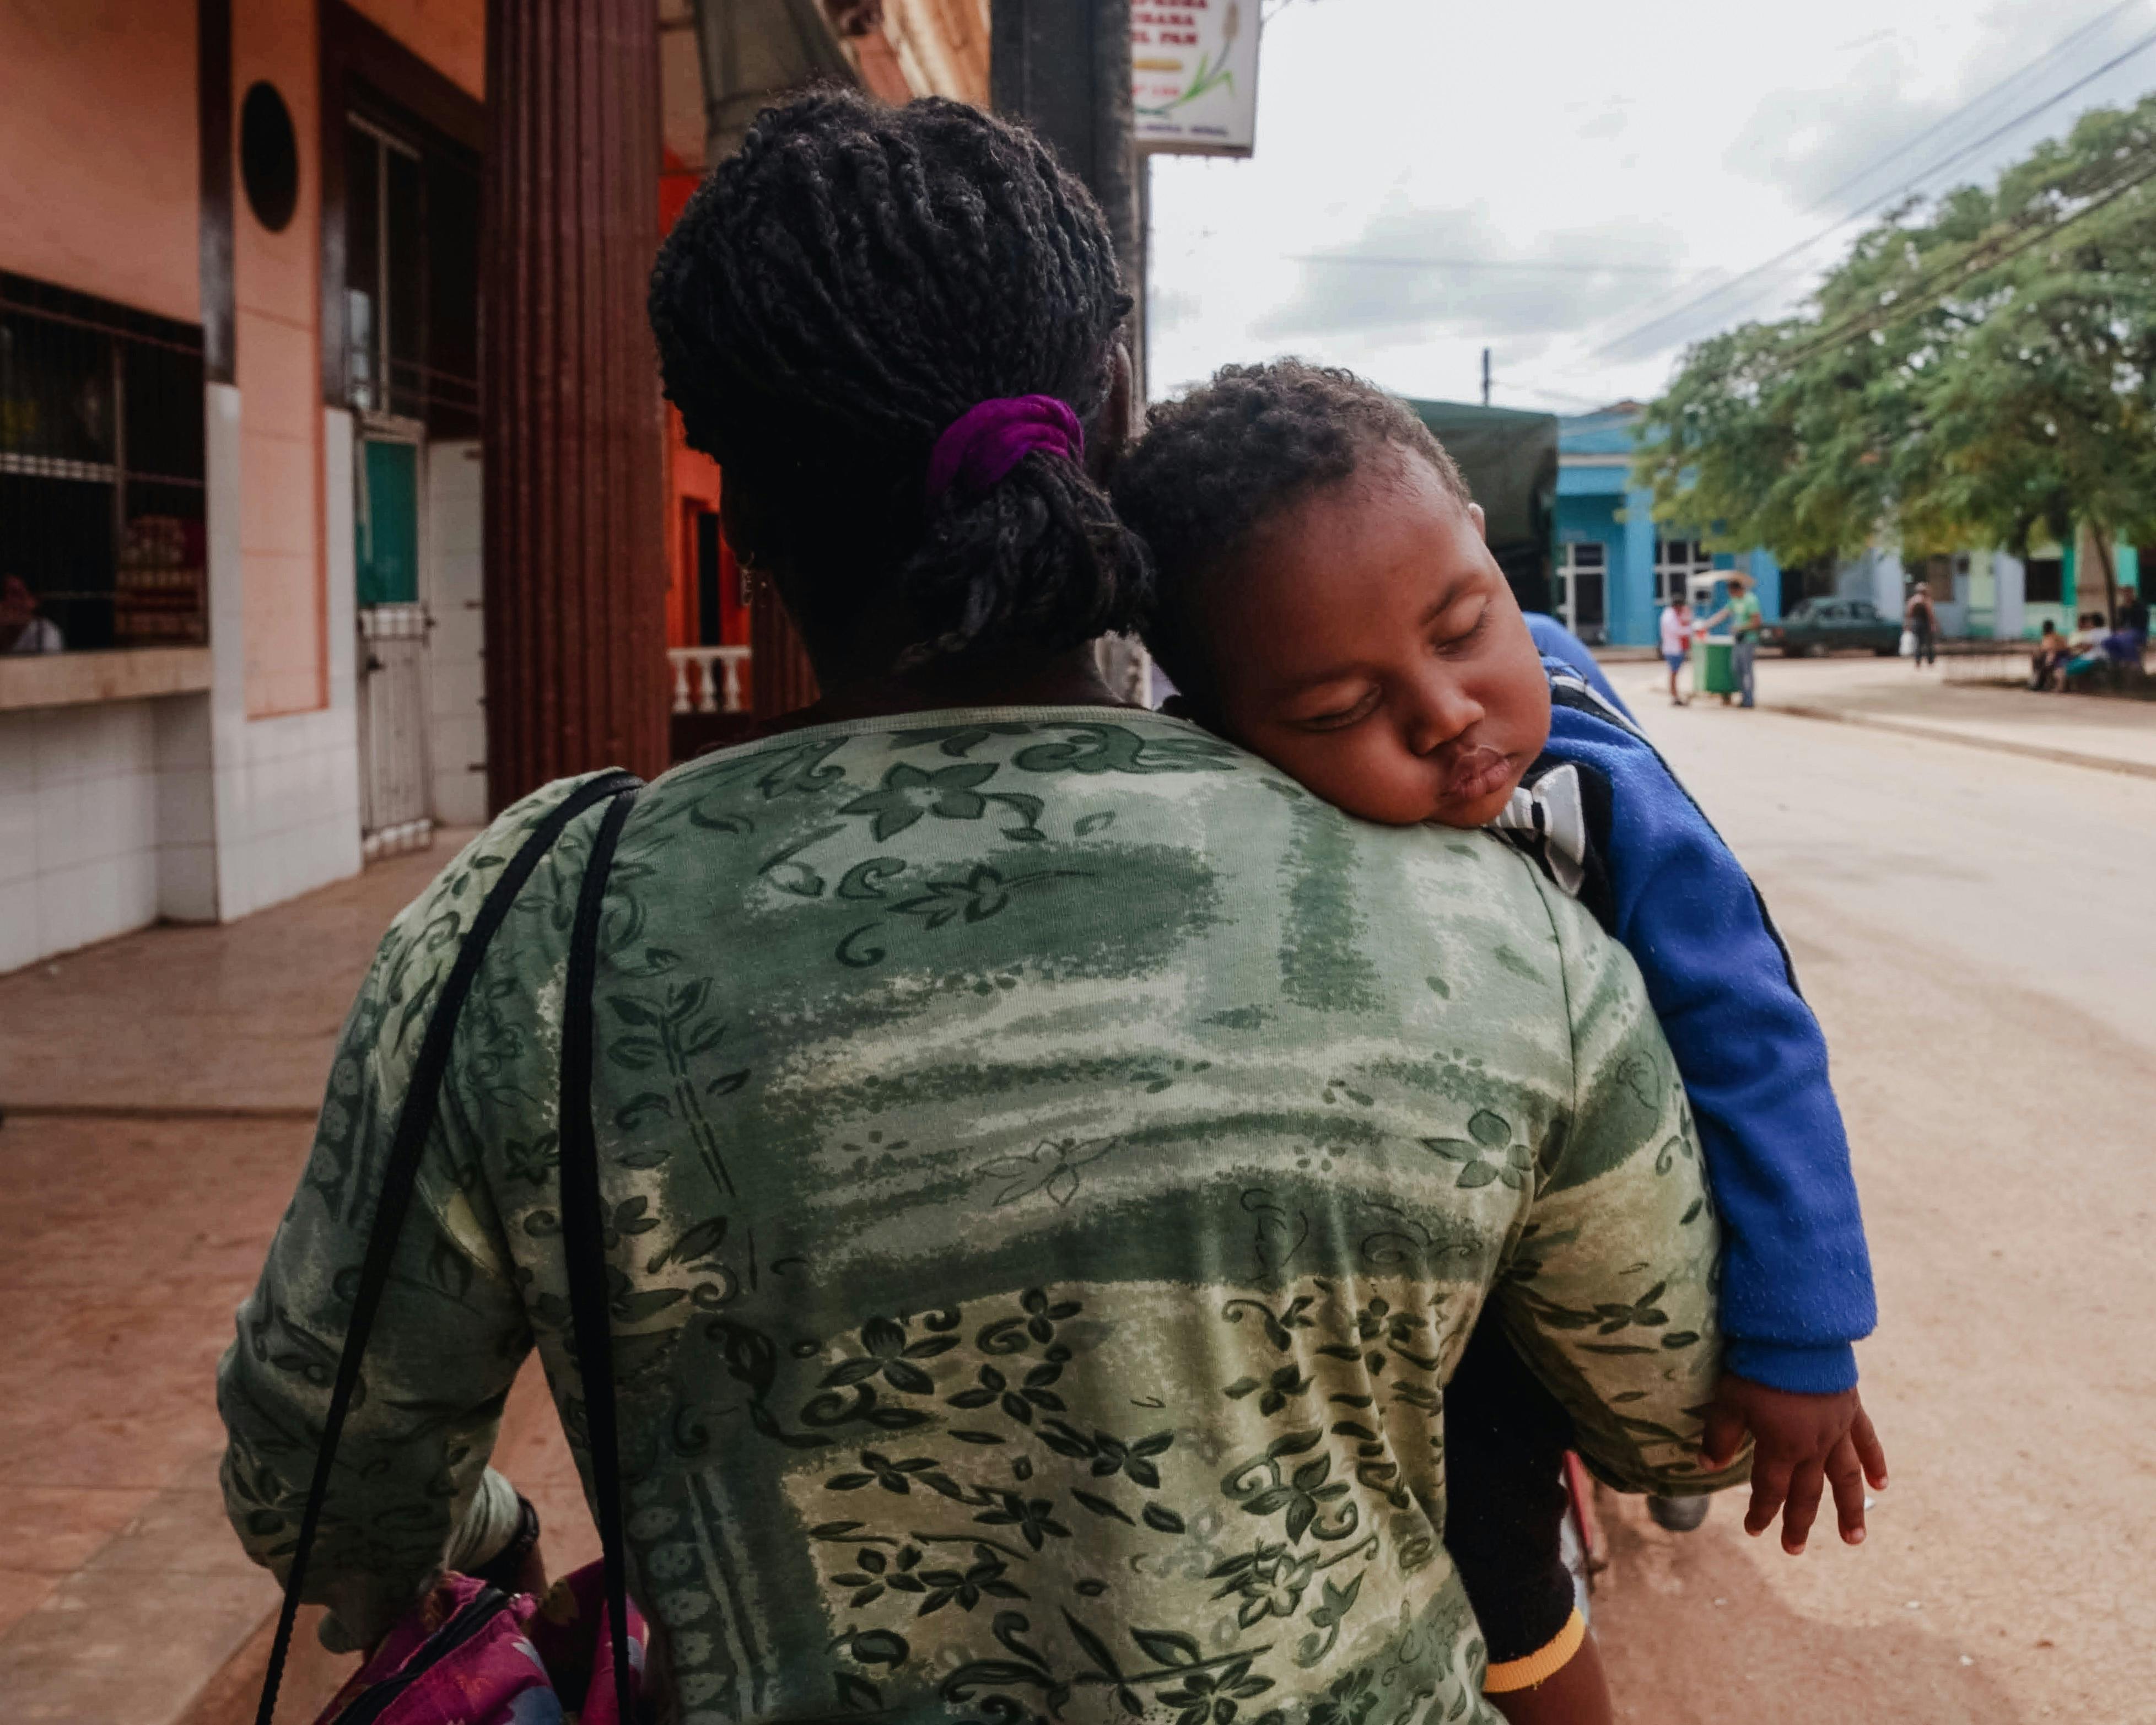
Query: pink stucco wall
x=277 y=296
x=98 y=170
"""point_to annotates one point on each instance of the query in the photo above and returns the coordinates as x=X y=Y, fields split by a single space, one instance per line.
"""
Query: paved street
x=161 y=1088
x=1976 y=932
x=1973 y=927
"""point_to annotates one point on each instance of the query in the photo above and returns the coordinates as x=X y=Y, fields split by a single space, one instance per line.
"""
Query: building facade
x=244 y=592
x=1616 y=565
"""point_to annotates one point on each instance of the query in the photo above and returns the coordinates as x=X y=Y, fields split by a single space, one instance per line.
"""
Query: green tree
x=1979 y=370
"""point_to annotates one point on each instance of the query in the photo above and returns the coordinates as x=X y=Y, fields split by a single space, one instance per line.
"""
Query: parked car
x=1826 y=625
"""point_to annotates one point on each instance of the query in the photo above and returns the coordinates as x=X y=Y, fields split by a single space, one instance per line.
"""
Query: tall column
x=575 y=564
x=1635 y=624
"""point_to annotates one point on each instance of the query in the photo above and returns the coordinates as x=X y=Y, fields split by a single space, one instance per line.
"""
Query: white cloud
x=1475 y=280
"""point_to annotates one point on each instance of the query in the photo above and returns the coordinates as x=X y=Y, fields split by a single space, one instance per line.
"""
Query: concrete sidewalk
x=1890 y=695
x=160 y=1091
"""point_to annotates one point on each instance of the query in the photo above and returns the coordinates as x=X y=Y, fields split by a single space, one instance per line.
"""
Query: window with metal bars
x=411 y=277
x=101 y=495
x=1676 y=561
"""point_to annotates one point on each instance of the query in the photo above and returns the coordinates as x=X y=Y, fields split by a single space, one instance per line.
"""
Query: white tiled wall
x=83 y=806
x=187 y=812
x=286 y=789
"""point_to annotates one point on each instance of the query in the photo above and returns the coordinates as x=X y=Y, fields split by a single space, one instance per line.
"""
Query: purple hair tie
x=986 y=441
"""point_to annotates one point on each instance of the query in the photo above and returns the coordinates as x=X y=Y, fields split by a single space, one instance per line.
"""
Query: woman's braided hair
x=1216 y=468
x=834 y=295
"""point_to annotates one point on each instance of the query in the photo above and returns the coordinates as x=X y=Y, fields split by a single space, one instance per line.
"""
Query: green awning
x=1509 y=461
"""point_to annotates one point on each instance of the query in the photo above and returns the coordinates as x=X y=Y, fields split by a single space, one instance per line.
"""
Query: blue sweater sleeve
x=1796 y=1287
x=1553 y=640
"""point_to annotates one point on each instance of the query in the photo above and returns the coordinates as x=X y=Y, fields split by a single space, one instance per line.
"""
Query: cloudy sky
x=1546 y=179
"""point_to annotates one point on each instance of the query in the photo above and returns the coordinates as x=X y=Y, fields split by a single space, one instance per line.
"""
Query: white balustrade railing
x=708 y=680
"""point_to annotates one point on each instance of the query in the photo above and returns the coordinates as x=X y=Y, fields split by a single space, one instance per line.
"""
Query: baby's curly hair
x=1218 y=466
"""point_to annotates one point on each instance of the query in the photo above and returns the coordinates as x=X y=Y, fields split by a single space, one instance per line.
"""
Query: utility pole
x=1486 y=376
x=1064 y=68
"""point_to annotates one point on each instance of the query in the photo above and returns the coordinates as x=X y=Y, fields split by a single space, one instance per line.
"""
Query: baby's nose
x=1441 y=711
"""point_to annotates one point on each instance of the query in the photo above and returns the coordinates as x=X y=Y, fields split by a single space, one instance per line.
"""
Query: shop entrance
x=1581 y=592
x=395 y=800
x=410 y=317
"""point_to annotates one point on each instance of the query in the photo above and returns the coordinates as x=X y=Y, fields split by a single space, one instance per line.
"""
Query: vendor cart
x=1713 y=665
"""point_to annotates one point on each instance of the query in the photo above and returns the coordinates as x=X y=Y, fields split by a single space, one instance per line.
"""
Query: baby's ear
x=1482 y=521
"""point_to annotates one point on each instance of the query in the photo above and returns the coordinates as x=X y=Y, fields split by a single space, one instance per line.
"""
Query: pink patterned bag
x=471 y=1654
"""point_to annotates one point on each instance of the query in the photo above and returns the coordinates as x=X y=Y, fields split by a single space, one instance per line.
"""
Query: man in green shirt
x=1741 y=613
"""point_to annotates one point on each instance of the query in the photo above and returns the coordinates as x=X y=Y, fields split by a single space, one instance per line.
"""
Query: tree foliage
x=1979 y=370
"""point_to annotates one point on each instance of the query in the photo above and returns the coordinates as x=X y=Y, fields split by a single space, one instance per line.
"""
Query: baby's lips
x=1476 y=775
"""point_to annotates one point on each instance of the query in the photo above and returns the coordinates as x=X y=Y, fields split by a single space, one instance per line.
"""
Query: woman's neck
x=1068 y=679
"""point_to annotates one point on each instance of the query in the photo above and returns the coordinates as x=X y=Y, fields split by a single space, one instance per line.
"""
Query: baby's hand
x=1801 y=1444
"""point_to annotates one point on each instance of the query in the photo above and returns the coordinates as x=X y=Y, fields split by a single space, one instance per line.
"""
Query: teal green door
x=387 y=522
x=396 y=800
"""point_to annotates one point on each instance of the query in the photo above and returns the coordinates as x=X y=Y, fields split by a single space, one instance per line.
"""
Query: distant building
x=1616 y=565
x=242 y=497
x=1995 y=595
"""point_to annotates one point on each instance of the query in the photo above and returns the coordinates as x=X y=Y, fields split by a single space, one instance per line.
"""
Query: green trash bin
x=1713 y=672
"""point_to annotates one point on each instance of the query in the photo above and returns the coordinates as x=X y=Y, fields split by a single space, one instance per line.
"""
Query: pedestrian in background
x=1676 y=642
x=2050 y=653
x=1742 y=615
x=21 y=629
x=2133 y=618
x=1922 y=622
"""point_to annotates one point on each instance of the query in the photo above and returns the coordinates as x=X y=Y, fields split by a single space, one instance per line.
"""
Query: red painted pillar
x=577 y=674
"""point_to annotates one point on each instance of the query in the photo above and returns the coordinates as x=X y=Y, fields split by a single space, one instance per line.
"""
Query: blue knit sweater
x=1606 y=818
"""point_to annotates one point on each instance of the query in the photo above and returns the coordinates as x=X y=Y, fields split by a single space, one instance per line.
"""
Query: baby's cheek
x=1381 y=783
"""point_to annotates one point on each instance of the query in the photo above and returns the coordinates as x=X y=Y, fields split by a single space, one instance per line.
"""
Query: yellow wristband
x=1539 y=1667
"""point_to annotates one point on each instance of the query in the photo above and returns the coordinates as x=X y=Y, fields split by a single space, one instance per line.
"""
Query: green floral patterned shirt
x=1052 y=1164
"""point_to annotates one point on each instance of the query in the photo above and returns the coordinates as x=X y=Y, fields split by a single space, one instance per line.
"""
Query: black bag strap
x=415 y=1123
x=583 y=1239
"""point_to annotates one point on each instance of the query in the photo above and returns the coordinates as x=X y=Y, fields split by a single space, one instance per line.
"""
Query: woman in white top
x=1676 y=640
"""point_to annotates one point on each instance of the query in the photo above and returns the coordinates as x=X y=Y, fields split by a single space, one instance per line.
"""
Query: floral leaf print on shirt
x=949 y=792
x=1116 y=748
x=1307 y=1565
x=1487 y=1153
x=1051 y=1167
x=983 y=891
x=956 y=740
x=673 y=1035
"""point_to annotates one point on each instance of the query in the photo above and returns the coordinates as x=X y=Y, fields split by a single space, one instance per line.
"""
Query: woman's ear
x=1121 y=417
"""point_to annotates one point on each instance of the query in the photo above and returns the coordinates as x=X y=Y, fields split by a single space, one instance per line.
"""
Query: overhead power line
x=1549 y=394
x=1947 y=121
x=2137 y=47
x=1534 y=265
x=1986 y=256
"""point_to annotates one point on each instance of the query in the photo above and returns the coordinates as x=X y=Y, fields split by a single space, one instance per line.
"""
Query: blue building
x=1616 y=565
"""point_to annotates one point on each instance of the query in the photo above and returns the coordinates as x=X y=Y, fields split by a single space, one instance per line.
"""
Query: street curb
x=2067 y=757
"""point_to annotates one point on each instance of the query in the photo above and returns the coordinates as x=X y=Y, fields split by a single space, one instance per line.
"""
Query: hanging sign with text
x=1194 y=75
